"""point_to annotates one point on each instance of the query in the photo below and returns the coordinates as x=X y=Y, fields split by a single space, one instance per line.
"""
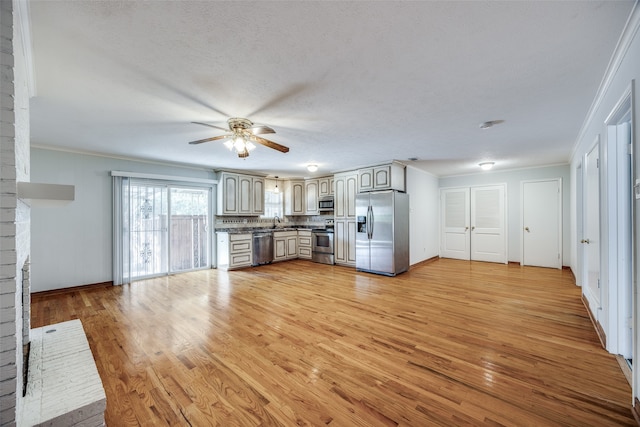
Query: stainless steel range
x=322 y=245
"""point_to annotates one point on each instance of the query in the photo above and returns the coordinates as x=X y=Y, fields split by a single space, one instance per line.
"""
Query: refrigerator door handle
x=371 y=222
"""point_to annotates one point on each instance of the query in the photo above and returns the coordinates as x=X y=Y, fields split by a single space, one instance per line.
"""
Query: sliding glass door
x=189 y=221
x=148 y=241
x=164 y=229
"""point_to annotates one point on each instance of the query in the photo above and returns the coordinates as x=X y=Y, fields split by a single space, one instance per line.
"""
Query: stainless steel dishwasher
x=262 y=247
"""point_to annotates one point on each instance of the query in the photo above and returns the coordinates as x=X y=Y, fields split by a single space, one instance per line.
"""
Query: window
x=272 y=199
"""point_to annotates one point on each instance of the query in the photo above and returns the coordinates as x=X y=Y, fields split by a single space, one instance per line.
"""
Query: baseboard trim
x=44 y=294
x=596 y=325
x=624 y=367
x=426 y=261
x=635 y=410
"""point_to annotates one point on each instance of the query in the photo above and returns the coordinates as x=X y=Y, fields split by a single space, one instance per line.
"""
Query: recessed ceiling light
x=413 y=159
x=486 y=165
x=490 y=123
x=312 y=168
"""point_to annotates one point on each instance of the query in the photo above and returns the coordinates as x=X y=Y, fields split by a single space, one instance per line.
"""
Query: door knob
x=584 y=241
x=527 y=229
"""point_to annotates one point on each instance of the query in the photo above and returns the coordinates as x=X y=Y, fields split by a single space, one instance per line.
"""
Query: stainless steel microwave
x=325 y=204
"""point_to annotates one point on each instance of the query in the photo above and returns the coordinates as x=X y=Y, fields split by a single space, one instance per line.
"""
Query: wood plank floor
x=297 y=343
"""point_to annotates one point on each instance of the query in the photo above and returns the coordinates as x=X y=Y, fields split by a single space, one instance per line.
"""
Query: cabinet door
x=339 y=207
x=246 y=195
x=229 y=194
x=351 y=187
x=279 y=248
x=339 y=241
x=324 y=187
x=311 y=190
x=365 y=179
x=292 y=247
x=382 y=177
x=331 y=186
x=351 y=243
x=258 y=196
x=298 y=201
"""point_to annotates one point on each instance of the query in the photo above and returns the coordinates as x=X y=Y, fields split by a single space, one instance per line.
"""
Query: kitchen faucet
x=275 y=218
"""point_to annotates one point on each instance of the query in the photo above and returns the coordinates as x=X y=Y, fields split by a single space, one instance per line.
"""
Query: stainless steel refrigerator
x=382 y=232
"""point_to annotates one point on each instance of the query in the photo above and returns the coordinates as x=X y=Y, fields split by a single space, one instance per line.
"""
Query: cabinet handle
x=527 y=230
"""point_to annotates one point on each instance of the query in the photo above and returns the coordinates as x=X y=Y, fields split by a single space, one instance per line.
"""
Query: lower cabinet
x=285 y=245
x=234 y=250
x=304 y=244
x=345 y=242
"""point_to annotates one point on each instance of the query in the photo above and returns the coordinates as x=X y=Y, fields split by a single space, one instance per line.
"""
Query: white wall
x=513 y=179
x=624 y=68
x=422 y=188
x=71 y=245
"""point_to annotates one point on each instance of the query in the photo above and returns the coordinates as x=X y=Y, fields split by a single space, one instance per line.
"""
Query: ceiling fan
x=241 y=135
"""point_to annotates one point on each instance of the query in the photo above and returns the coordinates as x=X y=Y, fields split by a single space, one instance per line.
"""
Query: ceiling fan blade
x=261 y=129
x=215 y=138
x=211 y=126
x=270 y=144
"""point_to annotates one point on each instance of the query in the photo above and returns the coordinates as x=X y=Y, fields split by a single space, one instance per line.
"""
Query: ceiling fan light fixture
x=250 y=146
x=239 y=144
x=312 y=168
x=229 y=144
x=486 y=165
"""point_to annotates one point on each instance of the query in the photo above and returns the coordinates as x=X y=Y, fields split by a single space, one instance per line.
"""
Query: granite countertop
x=259 y=229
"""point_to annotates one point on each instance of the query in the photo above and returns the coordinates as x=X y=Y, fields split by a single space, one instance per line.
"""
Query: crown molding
x=622 y=47
x=23 y=21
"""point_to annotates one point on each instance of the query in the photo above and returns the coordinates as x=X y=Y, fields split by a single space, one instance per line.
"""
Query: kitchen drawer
x=284 y=233
x=241 y=246
x=304 y=241
x=304 y=252
x=238 y=260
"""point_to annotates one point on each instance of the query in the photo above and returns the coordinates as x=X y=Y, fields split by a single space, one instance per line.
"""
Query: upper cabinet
x=311 y=191
x=325 y=186
x=294 y=197
x=240 y=194
x=346 y=185
x=383 y=177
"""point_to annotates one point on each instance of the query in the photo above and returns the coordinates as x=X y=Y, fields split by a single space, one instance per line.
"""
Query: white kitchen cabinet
x=234 y=250
x=383 y=177
x=258 y=195
x=294 y=197
x=285 y=245
x=346 y=185
x=304 y=244
x=311 y=193
x=240 y=194
x=344 y=239
x=325 y=186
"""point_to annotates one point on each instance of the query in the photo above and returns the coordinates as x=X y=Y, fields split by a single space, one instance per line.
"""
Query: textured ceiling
x=344 y=84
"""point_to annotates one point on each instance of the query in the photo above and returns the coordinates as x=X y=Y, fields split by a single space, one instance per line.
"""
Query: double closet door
x=473 y=223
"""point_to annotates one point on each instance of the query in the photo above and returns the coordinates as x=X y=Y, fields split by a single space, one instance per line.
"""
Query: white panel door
x=591 y=238
x=542 y=223
x=455 y=219
x=488 y=224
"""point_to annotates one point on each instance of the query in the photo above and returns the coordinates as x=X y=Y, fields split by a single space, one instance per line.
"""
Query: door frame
x=619 y=262
x=560 y=229
x=596 y=309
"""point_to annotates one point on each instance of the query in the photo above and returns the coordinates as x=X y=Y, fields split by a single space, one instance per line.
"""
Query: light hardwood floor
x=297 y=343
